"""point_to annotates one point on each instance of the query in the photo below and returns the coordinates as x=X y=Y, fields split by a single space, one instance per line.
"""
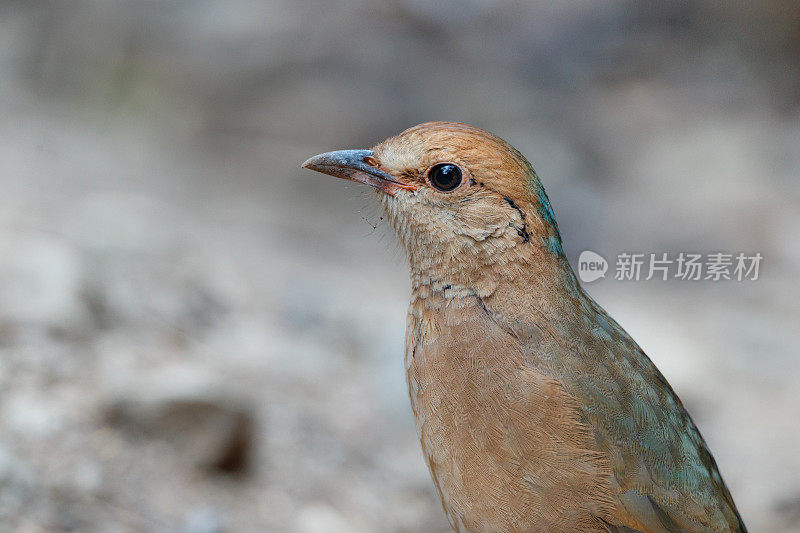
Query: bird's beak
x=356 y=165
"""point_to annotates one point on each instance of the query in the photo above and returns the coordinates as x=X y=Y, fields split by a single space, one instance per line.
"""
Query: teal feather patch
x=553 y=244
x=546 y=210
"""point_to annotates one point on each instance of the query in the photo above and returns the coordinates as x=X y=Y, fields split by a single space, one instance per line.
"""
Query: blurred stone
x=211 y=428
x=17 y=481
x=323 y=519
x=28 y=414
x=203 y=520
x=42 y=281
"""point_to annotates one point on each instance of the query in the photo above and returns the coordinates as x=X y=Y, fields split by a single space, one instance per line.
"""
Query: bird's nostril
x=371 y=161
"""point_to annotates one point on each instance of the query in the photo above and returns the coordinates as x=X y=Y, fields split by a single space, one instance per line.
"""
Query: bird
x=535 y=410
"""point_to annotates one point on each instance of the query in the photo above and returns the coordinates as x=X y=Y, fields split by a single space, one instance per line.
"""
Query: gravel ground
x=196 y=335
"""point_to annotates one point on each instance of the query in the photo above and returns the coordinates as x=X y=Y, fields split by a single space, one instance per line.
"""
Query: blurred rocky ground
x=196 y=335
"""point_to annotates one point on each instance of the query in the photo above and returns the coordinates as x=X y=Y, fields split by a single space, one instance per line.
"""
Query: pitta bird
x=536 y=411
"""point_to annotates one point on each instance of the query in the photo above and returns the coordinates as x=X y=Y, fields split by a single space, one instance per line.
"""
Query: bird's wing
x=664 y=476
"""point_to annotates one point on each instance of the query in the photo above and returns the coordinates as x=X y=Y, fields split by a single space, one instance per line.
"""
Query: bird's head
x=465 y=203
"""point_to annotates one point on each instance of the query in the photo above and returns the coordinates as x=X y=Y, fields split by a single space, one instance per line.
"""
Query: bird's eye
x=445 y=176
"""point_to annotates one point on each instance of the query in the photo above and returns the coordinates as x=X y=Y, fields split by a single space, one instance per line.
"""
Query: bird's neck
x=526 y=275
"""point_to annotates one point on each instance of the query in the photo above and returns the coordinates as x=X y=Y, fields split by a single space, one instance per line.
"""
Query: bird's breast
x=503 y=442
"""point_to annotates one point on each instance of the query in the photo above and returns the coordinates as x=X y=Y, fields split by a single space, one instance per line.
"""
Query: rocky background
x=198 y=336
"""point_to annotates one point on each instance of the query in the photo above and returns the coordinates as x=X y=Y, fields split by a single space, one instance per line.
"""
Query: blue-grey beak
x=356 y=165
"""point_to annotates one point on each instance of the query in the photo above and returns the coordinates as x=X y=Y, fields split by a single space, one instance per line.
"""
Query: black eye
x=445 y=176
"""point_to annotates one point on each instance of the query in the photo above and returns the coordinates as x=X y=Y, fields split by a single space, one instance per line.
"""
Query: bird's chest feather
x=503 y=442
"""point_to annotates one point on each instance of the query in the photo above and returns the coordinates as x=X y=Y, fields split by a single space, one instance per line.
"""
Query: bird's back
x=662 y=470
